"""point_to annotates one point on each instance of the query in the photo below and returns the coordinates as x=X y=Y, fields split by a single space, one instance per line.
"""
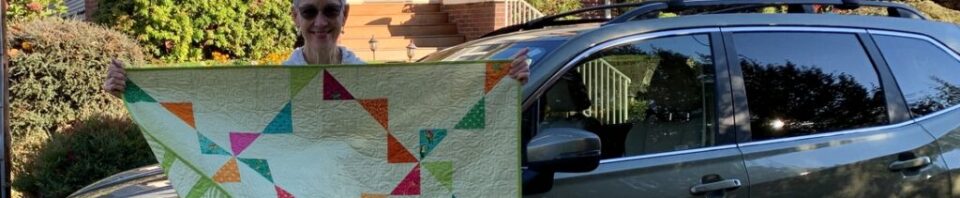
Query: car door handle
x=715 y=186
x=912 y=163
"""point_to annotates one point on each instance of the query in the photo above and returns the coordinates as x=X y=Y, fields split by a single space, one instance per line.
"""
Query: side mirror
x=564 y=150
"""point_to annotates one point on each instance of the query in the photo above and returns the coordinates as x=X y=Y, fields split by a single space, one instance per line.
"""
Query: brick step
x=420 y=18
x=398 y=30
x=387 y=55
x=402 y=42
x=386 y=8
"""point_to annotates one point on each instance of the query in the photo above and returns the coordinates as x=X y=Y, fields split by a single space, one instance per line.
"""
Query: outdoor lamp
x=410 y=49
x=373 y=46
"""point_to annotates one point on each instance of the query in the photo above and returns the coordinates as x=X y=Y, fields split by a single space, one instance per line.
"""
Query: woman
x=320 y=23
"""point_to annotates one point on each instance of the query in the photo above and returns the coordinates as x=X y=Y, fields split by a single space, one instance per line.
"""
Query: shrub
x=56 y=70
x=20 y=10
x=90 y=150
x=193 y=30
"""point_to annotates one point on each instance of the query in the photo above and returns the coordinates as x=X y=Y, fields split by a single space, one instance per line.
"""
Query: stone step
x=388 y=55
x=387 y=8
x=420 y=18
x=402 y=42
x=398 y=30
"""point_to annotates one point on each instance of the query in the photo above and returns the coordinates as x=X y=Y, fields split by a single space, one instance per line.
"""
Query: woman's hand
x=519 y=69
x=116 y=80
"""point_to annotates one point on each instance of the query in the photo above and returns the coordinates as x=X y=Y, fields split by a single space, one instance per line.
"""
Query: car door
x=823 y=117
x=661 y=109
x=926 y=73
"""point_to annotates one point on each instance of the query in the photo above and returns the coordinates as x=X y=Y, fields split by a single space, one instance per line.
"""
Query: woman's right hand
x=116 y=81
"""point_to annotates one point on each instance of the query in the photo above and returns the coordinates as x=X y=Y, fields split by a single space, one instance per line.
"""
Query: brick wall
x=476 y=19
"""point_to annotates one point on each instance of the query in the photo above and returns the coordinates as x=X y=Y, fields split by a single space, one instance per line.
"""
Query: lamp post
x=410 y=49
x=373 y=46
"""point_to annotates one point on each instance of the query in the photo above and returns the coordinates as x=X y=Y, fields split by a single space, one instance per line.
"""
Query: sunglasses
x=329 y=11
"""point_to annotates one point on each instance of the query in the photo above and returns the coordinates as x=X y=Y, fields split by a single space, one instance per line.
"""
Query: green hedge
x=21 y=10
x=194 y=30
x=91 y=150
x=56 y=70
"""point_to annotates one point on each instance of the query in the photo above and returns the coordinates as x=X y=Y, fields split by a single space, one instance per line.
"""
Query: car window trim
x=596 y=48
x=634 y=38
x=930 y=40
x=727 y=31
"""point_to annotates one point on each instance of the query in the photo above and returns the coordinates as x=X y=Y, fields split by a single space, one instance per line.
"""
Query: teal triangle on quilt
x=207 y=146
x=282 y=122
x=200 y=188
x=300 y=77
x=259 y=165
x=475 y=118
x=134 y=93
x=429 y=139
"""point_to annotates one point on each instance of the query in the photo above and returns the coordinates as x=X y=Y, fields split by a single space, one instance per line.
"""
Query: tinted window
x=928 y=77
x=643 y=97
x=807 y=83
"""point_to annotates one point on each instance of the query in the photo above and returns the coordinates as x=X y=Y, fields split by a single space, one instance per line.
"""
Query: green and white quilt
x=407 y=130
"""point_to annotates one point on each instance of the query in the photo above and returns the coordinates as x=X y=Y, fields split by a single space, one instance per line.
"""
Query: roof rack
x=794 y=6
x=652 y=9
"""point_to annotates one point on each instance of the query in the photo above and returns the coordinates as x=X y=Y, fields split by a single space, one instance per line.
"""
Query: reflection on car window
x=927 y=75
x=643 y=97
x=807 y=83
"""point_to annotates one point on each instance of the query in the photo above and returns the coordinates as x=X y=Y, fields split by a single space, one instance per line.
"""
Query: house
x=430 y=25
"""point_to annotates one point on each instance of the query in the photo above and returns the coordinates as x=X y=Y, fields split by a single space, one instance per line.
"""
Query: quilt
x=388 y=130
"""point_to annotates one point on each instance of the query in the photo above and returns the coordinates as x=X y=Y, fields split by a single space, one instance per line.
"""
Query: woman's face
x=320 y=22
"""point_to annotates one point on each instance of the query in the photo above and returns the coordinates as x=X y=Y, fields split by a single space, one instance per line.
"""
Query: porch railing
x=519 y=11
x=608 y=89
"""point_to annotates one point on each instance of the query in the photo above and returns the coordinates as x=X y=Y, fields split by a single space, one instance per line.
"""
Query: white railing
x=519 y=11
x=608 y=89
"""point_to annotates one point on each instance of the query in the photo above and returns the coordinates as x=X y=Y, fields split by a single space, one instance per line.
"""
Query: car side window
x=803 y=83
x=926 y=74
x=643 y=97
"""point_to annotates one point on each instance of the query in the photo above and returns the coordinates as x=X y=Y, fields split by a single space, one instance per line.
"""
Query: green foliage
x=91 y=150
x=552 y=7
x=56 y=70
x=20 y=10
x=193 y=30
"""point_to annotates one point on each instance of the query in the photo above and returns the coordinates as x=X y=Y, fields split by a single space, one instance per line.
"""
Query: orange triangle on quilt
x=228 y=172
x=182 y=110
x=396 y=152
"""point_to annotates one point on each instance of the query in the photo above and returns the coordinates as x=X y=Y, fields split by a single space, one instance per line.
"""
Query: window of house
x=642 y=97
x=927 y=75
x=803 y=83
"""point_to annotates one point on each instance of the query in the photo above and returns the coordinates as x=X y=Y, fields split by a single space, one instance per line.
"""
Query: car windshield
x=498 y=51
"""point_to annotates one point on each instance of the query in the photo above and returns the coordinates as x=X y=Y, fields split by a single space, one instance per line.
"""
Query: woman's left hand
x=519 y=69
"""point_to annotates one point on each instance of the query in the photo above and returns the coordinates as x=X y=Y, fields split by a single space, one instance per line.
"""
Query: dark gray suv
x=724 y=101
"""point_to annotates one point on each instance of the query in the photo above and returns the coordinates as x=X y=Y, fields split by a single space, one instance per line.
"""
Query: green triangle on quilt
x=429 y=139
x=134 y=93
x=442 y=171
x=300 y=77
x=259 y=165
x=168 y=159
x=207 y=146
x=475 y=118
x=200 y=188
x=282 y=122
